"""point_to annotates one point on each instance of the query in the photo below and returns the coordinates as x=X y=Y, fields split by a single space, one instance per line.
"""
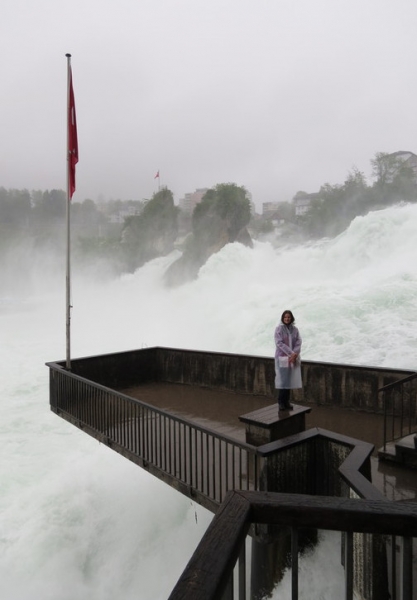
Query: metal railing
x=206 y=465
x=400 y=408
x=210 y=573
x=196 y=460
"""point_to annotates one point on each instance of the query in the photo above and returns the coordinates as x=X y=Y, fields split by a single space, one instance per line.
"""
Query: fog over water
x=79 y=521
x=205 y=92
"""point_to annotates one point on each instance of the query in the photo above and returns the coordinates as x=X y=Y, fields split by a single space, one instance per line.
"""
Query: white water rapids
x=79 y=521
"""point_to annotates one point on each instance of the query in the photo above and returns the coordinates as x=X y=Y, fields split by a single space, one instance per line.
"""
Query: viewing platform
x=207 y=424
x=198 y=391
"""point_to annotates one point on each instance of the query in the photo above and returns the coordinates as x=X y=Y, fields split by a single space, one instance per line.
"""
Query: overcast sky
x=275 y=95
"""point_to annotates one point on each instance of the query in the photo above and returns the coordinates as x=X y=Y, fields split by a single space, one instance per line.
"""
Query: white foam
x=79 y=521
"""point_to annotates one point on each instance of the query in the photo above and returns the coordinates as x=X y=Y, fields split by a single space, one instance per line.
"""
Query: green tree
x=394 y=179
x=226 y=201
x=50 y=206
x=336 y=205
x=15 y=207
x=220 y=218
x=384 y=166
x=355 y=182
x=403 y=186
x=153 y=232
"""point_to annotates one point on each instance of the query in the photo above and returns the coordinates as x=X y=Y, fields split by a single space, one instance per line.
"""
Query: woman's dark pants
x=284 y=392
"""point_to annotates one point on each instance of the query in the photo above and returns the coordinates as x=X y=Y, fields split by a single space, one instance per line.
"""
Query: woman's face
x=287 y=319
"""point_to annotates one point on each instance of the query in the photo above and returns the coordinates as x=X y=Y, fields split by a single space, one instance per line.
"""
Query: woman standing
x=287 y=359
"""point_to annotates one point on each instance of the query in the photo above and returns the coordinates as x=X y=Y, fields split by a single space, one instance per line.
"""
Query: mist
x=78 y=520
x=277 y=97
x=347 y=293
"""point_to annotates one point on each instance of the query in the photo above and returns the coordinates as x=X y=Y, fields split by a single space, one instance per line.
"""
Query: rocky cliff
x=220 y=219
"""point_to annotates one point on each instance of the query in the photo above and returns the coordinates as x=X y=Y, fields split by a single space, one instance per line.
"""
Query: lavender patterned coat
x=287 y=341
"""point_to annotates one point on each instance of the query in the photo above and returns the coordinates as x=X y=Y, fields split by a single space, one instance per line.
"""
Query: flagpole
x=68 y=215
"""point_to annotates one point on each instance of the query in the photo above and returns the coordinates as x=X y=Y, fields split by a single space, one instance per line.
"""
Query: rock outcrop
x=152 y=233
x=220 y=219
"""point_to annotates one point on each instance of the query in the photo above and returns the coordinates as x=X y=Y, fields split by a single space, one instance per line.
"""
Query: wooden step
x=403 y=451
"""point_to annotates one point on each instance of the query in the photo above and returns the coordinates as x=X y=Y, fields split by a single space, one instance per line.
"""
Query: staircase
x=400 y=422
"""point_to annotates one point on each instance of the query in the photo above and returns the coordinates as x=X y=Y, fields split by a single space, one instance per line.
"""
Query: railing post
x=348 y=565
x=402 y=412
x=53 y=386
x=393 y=568
x=294 y=563
x=242 y=572
x=407 y=569
x=393 y=386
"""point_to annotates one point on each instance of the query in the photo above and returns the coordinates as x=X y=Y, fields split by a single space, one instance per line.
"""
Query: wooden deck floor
x=220 y=411
x=210 y=408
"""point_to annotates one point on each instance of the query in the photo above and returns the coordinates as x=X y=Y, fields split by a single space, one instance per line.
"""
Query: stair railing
x=400 y=410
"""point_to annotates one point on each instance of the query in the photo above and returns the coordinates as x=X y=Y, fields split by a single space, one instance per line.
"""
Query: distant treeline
x=123 y=234
x=36 y=209
x=335 y=206
x=33 y=224
x=128 y=233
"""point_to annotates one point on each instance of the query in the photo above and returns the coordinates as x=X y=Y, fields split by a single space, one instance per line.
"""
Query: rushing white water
x=79 y=521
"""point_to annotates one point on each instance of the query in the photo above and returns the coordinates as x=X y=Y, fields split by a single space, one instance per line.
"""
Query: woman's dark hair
x=287 y=312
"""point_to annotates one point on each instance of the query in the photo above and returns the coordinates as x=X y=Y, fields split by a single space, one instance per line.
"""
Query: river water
x=77 y=520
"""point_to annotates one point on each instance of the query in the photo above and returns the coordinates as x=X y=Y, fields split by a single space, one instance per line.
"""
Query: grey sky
x=274 y=95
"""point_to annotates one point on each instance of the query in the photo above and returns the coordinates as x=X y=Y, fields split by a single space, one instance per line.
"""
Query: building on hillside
x=269 y=208
x=276 y=218
x=124 y=213
x=251 y=203
x=190 y=200
x=302 y=202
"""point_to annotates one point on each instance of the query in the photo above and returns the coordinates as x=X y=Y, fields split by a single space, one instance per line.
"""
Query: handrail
x=398 y=382
x=204 y=462
x=210 y=569
x=200 y=462
x=402 y=429
x=155 y=409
